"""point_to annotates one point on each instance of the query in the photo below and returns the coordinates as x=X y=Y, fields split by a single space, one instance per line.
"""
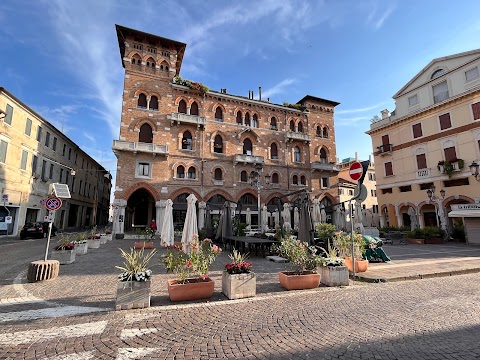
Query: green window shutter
x=23 y=164
x=9 y=115
x=3 y=151
x=28 y=127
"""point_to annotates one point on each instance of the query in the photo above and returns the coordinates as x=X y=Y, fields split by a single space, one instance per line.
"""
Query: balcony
x=248 y=159
x=298 y=136
x=119 y=145
x=323 y=166
x=448 y=168
x=385 y=149
x=181 y=118
x=423 y=173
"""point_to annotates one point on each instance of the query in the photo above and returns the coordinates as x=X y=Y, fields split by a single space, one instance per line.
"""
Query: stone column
x=202 y=205
x=382 y=220
x=159 y=214
x=399 y=216
x=119 y=216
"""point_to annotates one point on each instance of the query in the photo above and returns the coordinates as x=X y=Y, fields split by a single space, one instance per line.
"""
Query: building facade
x=178 y=138
x=430 y=140
x=33 y=155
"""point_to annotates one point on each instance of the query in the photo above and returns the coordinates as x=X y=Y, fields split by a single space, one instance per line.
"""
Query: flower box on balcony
x=448 y=167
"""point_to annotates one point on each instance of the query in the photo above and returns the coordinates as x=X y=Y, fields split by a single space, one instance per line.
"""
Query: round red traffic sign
x=356 y=170
x=53 y=203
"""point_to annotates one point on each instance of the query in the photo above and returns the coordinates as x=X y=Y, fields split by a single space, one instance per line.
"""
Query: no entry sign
x=356 y=170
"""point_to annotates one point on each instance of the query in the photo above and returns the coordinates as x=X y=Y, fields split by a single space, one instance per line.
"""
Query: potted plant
x=333 y=271
x=133 y=288
x=64 y=252
x=238 y=280
x=192 y=282
x=81 y=246
x=342 y=241
x=304 y=260
x=147 y=242
x=93 y=240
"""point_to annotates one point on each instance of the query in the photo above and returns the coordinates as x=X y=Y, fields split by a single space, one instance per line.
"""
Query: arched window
x=273 y=123
x=325 y=132
x=273 y=151
x=146 y=134
x=142 y=101
x=303 y=180
x=180 y=172
x=218 y=114
x=182 y=107
x=292 y=125
x=153 y=103
x=300 y=127
x=239 y=118
x=255 y=121
x=247 y=146
x=218 y=144
x=218 y=174
x=243 y=176
x=438 y=73
x=318 y=133
x=296 y=154
x=295 y=180
x=247 y=119
x=192 y=173
x=194 y=108
x=323 y=156
x=274 y=178
x=248 y=199
x=187 y=141
x=151 y=63
x=136 y=60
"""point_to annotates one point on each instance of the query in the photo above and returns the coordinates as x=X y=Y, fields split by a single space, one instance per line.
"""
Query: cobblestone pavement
x=72 y=318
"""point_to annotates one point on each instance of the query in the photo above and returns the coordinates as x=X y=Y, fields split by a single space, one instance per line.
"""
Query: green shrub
x=325 y=232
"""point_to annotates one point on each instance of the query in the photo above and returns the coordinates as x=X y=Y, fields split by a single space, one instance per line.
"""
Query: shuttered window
x=388 y=169
x=421 y=162
x=3 y=150
x=450 y=154
x=28 y=127
x=445 y=122
x=23 y=162
x=417 y=130
x=476 y=111
x=8 y=115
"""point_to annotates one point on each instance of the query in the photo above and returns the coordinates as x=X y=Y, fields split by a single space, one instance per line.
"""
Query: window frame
x=444 y=117
x=474 y=78
x=141 y=164
x=417 y=126
x=28 y=127
x=389 y=167
x=24 y=160
x=8 y=115
x=3 y=153
x=415 y=96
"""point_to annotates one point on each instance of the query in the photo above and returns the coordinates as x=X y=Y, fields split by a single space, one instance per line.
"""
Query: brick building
x=178 y=137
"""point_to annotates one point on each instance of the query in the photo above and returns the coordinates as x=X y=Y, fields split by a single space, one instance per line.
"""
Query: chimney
x=249 y=94
x=260 y=93
x=268 y=99
x=384 y=113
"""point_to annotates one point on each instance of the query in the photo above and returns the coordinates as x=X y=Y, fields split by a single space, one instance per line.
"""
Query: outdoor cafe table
x=249 y=240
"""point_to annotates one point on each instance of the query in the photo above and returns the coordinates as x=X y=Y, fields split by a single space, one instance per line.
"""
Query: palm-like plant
x=135 y=265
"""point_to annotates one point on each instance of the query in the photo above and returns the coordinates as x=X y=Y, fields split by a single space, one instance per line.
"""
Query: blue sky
x=62 y=59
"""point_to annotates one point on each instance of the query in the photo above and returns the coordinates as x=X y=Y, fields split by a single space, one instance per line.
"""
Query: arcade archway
x=140 y=209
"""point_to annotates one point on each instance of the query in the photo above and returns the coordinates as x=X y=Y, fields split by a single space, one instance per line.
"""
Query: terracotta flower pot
x=194 y=289
x=144 y=245
x=307 y=280
x=360 y=265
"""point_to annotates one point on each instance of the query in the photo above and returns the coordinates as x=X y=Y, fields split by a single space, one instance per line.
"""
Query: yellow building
x=430 y=139
x=35 y=154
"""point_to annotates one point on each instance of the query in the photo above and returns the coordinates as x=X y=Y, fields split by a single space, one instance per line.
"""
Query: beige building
x=35 y=154
x=347 y=188
x=431 y=138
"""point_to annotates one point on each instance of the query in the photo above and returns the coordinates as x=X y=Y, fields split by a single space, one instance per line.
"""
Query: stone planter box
x=290 y=281
x=239 y=286
x=132 y=295
x=333 y=275
x=103 y=240
x=108 y=237
x=195 y=290
x=63 y=256
x=93 y=243
x=81 y=249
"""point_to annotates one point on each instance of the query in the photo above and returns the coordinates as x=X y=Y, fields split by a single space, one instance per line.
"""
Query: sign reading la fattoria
x=466 y=207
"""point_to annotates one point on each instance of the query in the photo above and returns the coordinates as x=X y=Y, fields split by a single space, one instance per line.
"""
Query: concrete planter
x=103 y=240
x=81 y=249
x=132 y=295
x=63 y=256
x=108 y=237
x=333 y=275
x=93 y=243
x=290 y=281
x=239 y=286
x=196 y=289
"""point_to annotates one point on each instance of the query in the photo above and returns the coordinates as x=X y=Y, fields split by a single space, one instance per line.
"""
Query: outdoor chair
x=374 y=251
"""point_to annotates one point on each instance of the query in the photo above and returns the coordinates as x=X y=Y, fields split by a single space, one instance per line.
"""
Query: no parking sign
x=53 y=203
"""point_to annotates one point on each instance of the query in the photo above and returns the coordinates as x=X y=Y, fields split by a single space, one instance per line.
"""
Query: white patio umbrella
x=323 y=215
x=338 y=219
x=287 y=218
x=276 y=217
x=316 y=217
x=296 y=218
x=264 y=219
x=190 y=226
x=249 y=218
x=167 y=233
x=358 y=213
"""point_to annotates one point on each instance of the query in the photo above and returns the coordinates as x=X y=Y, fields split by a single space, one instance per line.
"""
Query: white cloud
x=360 y=110
x=89 y=137
x=279 y=88
x=352 y=121
x=378 y=14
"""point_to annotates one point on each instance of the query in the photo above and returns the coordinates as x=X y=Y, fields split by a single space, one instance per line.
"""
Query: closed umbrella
x=208 y=222
x=305 y=228
x=249 y=218
x=358 y=213
x=323 y=215
x=316 y=217
x=276 y=217
x=167 y=233
x=338 y=218
x=190 y=226
x=227 y=228
x=287 y=218
x=264 y=219
x=296 y=218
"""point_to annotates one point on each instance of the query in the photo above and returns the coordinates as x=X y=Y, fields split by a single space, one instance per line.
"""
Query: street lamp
x=474 y=167
x=255 y=180
x=439 y=206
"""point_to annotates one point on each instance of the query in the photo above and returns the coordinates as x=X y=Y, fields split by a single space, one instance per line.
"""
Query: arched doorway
x=327 y=204
x=215 y=206
x=140 y=210
x=146 y=134
x=179 y=211
x=249 y=201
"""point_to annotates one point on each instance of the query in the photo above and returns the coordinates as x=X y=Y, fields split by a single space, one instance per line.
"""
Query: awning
x=464 y=213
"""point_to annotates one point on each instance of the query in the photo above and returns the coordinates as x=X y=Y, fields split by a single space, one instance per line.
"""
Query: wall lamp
x=474 y=167
x=3 y=114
